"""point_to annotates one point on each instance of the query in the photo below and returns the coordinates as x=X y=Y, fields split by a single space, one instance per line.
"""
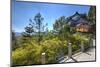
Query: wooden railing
x=82 y=48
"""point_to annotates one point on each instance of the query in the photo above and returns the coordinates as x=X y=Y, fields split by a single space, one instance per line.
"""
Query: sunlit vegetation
x=36 y=39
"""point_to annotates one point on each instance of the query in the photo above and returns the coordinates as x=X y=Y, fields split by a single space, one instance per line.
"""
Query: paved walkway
x=89 y=55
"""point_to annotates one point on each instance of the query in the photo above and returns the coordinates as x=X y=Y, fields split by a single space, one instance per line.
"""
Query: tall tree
x=59 y=23
x=92 y=14
x=28 y=31
x=92 y=19
x=61 y=27
x=38 y=25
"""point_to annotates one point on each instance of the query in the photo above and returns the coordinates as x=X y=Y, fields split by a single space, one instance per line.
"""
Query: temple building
x=80 y=23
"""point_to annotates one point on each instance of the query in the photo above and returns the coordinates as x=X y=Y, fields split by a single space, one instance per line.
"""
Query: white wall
x=91 y=2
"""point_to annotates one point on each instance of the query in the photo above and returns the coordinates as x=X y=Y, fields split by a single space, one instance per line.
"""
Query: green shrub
x=30 y=53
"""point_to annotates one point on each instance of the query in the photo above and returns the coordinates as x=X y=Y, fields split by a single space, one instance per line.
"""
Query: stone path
x=89 y=55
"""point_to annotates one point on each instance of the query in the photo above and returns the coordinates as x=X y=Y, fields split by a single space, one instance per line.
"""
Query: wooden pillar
x=93 y=42
x=43 y=58
x=69 y=50
x=82 y=46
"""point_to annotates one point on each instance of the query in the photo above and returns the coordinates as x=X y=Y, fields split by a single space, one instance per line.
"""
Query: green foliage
x=54 y=43
x=27 y=35
x=92 y=15
x=28 y=31
x=28 y=54
x=31 y=54
x=54 y=48
x=38 y=25
x=59 y=23
x=63 y=29
x=14 y=41
x=77 y=39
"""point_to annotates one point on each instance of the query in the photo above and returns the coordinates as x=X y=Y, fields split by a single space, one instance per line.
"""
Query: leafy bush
x=31 y=53
x=28 y=54
x=77 y=39
x=54 y=48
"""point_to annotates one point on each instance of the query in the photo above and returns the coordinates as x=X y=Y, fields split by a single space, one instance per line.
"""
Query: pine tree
x=92 y=14
x=35 y=27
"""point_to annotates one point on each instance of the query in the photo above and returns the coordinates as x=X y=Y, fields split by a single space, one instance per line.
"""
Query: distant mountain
x=17 y=34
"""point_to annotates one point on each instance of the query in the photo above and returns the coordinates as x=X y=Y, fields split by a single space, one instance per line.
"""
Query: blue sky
x=23 y=11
